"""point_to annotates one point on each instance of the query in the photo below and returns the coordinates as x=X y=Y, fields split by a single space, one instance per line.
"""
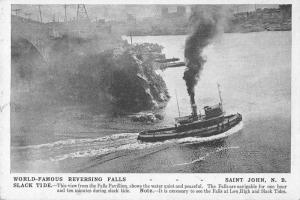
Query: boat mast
x=220 y=96
x=177 y=103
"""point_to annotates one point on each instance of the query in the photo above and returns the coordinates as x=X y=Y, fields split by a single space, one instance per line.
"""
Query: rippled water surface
x=254 y=71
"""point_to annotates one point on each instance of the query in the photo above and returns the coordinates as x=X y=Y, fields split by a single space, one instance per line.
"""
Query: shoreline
x=254 y=31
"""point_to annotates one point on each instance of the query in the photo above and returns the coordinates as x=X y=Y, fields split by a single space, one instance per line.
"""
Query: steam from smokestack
x=205 y=23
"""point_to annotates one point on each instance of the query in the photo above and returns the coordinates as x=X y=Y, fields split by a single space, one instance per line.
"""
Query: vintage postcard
x=158 y=100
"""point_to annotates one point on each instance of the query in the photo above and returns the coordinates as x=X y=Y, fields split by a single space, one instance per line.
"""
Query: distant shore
x=166 y=34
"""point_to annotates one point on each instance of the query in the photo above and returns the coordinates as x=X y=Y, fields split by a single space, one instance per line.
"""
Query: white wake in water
x=89 y=147
x=79 y=141
x=207 y=155
x=98 y=151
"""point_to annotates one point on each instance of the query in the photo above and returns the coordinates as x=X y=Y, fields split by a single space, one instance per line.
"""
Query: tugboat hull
x=201 y=128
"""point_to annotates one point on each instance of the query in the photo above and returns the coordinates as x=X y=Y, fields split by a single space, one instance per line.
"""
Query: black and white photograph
x=150 y=88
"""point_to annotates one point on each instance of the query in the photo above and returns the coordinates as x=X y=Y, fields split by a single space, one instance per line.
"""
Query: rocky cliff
x=87 y=72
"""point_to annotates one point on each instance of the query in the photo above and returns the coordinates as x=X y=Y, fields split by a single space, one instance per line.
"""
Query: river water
x=254 y=71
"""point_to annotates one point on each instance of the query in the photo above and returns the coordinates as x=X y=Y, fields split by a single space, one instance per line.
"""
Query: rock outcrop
x=122 y=78
x=126 y=78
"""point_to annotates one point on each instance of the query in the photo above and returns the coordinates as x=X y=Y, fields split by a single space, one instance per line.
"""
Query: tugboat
x=213 y=122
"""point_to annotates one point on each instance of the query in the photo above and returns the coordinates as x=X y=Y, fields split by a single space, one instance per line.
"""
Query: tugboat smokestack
x=194 y=110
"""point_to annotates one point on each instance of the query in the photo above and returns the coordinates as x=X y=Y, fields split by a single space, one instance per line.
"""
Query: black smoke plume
x=205 y=24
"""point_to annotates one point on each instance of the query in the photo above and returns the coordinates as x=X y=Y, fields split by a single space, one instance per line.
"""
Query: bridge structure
x=43 y=35
x=34 y=32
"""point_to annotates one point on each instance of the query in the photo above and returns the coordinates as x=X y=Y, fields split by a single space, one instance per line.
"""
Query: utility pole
x=40 y=12
x=17 y=10
x=66 y=19
x=82 y=12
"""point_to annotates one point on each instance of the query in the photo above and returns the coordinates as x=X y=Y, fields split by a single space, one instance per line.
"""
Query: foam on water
x=102 y=151
x=89 y=147
x=79 y=141
x=207 y=155
x=138 y=145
